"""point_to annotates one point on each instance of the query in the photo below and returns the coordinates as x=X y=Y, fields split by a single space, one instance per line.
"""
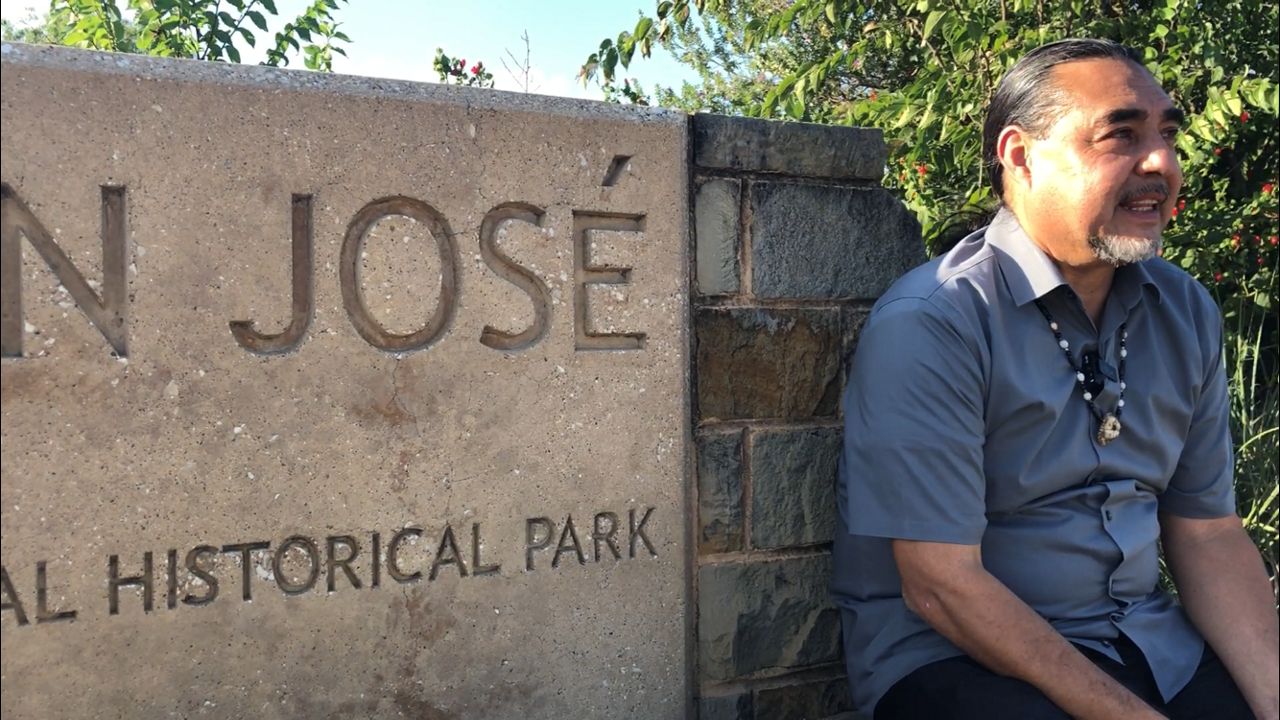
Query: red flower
x=1217 y=151
x=1175 y=212
x=1217 y=277
x=1267 y=188
x=1274 y=240
x=1244 y=116
x=1257 y=239
x=1259 y=261
x=1182 y=204
x=1235 y=242
x=475 y=69
x=922 y=169
x=874 y=95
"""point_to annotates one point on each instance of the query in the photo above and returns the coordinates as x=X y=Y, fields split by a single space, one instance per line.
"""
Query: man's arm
x=1225 y=592
x=947 y=586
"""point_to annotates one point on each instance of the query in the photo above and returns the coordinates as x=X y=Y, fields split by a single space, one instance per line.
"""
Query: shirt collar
x=1031 y=274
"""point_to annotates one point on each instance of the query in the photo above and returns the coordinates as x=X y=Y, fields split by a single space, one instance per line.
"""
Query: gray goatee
x=1120 y=250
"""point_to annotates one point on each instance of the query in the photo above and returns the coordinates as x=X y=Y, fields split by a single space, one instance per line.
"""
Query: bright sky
x=398 y=38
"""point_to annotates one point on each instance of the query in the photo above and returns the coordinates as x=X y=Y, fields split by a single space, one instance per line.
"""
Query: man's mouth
x=1145 y=200
x=1142 y=206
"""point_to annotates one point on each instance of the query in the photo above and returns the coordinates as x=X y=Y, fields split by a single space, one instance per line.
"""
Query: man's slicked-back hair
x=1028 y=97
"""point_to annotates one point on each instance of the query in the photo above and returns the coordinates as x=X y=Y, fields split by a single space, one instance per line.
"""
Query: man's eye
x=1120 y=135
x=1170 y=134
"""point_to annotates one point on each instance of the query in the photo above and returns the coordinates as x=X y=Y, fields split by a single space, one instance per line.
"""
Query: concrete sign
x=337 y=397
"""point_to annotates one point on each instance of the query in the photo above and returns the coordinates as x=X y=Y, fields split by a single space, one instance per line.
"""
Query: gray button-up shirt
x=965 y=424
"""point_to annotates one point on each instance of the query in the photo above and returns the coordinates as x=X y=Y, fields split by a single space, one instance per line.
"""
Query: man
x=1028 y=416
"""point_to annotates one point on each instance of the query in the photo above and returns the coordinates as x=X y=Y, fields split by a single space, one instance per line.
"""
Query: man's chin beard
x=1120 y=250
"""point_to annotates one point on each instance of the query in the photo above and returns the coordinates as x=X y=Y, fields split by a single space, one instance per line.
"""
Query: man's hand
x=1225 y=592
x=948 y=587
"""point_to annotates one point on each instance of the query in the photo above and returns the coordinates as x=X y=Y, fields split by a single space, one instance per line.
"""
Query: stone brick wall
x=793 y=240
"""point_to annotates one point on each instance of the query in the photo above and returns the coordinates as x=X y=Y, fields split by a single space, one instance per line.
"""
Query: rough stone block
x=854 y=319
x=822 y=241
x=715 y=220
x=767 y=363
x=789 y=148
x=725 y=707
x=806 y=701
x=793 y=486
x=720 y=492
x=758 y=616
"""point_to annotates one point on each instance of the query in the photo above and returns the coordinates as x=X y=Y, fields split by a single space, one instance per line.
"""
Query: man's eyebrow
x=1174 y=115
x=1124 y=115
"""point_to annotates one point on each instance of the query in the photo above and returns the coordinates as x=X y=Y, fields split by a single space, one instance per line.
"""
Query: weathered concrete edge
x=797 y=149
x=16 y=54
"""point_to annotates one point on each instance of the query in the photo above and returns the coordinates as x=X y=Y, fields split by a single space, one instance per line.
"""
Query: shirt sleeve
x=1202 y=482
x=912 y=461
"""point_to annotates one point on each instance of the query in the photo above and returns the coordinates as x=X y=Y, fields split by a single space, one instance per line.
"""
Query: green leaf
x=256 y=18
x=643 y=27
x=931 y=23
x=610 y=62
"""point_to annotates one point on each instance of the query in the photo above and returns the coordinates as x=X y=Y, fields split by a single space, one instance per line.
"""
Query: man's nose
x=1161 y=158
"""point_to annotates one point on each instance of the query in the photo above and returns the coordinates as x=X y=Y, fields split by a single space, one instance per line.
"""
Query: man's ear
x=1012 y=151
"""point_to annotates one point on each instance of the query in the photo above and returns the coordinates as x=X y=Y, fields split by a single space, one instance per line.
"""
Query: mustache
x=1151 y=188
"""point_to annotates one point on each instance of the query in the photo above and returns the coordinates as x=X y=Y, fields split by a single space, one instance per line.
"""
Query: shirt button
x=1106 y=643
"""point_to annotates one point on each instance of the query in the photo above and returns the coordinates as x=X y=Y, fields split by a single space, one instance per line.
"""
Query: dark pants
x=960 y=688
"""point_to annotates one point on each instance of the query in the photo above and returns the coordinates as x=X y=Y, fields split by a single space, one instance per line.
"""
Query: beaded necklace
x=1109 y=426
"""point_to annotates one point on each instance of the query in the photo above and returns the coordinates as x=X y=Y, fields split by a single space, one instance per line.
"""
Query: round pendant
x=1108 y=429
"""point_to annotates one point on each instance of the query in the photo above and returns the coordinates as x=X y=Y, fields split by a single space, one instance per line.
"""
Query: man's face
x=1104 y=180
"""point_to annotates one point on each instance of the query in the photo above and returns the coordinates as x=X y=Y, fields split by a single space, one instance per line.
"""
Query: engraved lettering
x=108 y=314
x=171 y=579
x=193 y=560
x=313 y=565
x=584 y=273
x=246 y=551
x=377 y=559
x=304 y=296
x=353 y=293
x=115 y=582
x=568 y=533
x=531 y=541
x=393 y=556
x=615 y=170
x=453 y=557
x=508 y=270
x=332 y=561
x=43 y=613
x=604 y=528
x=11 y=600
x=637 y=531
x=477 y=566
